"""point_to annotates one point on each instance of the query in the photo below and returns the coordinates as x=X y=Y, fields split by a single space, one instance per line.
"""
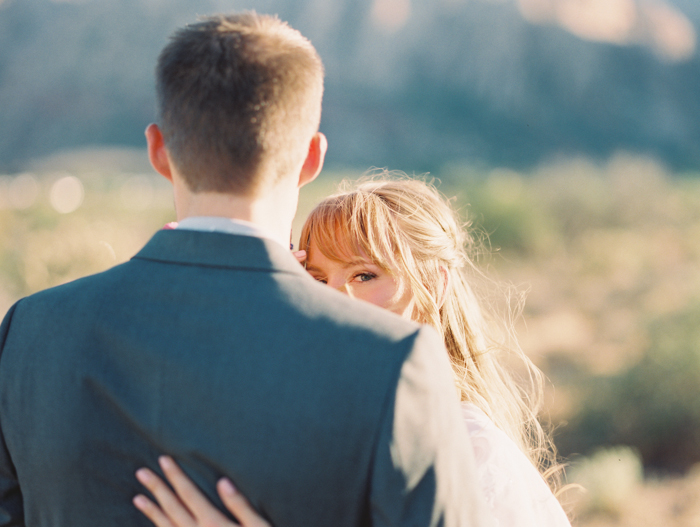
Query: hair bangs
x=356 y=224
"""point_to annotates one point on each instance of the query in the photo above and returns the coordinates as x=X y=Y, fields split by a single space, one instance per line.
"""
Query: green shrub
x=653 y=406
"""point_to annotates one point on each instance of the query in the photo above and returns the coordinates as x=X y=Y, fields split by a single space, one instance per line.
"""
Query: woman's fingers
x=151 y=511
x=204 y=512
x=238 y=505
x=300 y=256
x=170 y=506
x=187 y=506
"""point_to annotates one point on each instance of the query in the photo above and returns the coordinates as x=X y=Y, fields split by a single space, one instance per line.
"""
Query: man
x=214 y=346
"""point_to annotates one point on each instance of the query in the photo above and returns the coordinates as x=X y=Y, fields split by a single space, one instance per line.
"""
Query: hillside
x=410 y=84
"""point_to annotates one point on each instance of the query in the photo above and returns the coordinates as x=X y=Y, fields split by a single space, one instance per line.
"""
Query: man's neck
x=273 y=213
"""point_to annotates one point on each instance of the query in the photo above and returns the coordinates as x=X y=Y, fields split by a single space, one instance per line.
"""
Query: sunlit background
x=567 y=130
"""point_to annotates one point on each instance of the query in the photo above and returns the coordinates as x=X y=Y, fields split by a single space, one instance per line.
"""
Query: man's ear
x=157 y=154
x=314 y=159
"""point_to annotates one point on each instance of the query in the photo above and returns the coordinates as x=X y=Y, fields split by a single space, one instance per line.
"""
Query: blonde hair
x=405 y=227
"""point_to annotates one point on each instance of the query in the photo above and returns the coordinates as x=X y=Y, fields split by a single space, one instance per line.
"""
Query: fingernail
x=143 y=475
x=166 y=462
x=140 y=501
x=227 y=487
x=299 y=254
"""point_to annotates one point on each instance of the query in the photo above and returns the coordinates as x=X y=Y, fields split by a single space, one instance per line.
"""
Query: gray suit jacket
x=221 y=351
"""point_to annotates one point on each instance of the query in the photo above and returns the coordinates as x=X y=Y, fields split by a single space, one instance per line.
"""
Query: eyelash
x=370 y=275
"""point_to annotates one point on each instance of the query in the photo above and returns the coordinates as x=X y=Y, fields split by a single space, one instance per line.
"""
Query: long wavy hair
x=405 y=227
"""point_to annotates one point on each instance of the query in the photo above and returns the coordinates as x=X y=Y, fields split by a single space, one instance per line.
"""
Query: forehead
x=333 y=238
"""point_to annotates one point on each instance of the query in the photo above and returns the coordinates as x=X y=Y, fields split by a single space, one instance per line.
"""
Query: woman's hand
x=187 y=506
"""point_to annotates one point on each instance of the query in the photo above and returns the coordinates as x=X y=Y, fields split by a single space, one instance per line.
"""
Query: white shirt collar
x=225 y=225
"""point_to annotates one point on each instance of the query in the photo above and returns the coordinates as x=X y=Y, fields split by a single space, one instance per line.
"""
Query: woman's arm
x=187 y=506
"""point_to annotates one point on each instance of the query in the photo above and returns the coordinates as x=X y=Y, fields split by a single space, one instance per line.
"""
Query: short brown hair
x=239 y=99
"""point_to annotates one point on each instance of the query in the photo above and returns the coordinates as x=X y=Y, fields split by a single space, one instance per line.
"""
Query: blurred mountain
x=411 y=84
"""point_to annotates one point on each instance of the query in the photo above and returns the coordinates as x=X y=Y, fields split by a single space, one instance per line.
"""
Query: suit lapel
x=214 y=249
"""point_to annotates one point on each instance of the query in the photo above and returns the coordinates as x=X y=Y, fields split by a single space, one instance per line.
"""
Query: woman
x=397 y=244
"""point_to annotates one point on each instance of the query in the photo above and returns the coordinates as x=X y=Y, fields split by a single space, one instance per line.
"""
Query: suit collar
x=215 y=249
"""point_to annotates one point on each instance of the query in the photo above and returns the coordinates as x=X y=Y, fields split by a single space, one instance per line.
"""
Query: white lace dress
x=514 y=490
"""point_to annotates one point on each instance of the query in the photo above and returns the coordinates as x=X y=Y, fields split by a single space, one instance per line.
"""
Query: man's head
x=239 y=101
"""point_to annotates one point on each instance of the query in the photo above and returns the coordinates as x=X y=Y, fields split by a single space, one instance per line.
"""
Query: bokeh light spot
x=672 y=35
x=391 y=15
x=599 y=20
x=651 y=23
x=67 y=194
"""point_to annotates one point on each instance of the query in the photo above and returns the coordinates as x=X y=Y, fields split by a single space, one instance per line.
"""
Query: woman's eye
x=365 y=277
x=322 y=280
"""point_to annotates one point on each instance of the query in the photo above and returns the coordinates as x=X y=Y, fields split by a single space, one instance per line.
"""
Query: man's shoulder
x=61 y=298
x=358 y=335
x=83 y=283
